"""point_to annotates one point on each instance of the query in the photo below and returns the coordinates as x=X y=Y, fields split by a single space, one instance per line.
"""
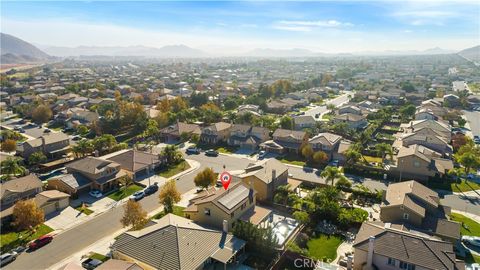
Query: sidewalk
x=103 y=246
x=469 y=215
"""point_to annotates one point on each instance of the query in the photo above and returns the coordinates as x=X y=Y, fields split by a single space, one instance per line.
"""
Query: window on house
x=207 y=212
x=416 y=163
x=405 y=216
x=391 y=261
x=407 y=266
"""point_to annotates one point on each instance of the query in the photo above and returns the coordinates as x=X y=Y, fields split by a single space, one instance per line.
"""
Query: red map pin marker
x=225 y=177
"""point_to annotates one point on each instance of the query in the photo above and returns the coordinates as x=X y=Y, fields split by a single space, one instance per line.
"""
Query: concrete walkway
x=65 y=219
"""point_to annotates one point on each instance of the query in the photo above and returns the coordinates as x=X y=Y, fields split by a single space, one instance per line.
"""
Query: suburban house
x=451 y=100
x=70 y=183
x=249 y=108
x=350 y=109
x=52 y=200
x=326 y=142
x=118 y=265
x=177 y=243
x=136 y=163
x=215 y=133
x=425 y=114
x=247 y=137
x=285 y=140
x=438 y=127
x=304 y=121
x=77 y=116
x=17 y=189
x=174 y=132
x=103 y=174
x=219 y=207
x=411 y=203
x=429 y=140
x=53 y=145
x=265 y=176
x=419 y=162
x=388 y=246
x=353 y=121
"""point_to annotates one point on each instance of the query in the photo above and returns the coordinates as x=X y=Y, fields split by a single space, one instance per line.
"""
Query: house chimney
x=371 y=245
x=274 y=174
x=225 y=226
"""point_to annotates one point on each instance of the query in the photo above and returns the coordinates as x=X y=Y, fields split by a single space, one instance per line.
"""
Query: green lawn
x=84 y=210
x=461 y=186
x=177 y=210
x=292 y=159
x=175 y=169
x=324 y=246
x=373 y=159
x=10 y=240
x=125 y=192
x=473 y=227
x=98 y=256
x=472 y=258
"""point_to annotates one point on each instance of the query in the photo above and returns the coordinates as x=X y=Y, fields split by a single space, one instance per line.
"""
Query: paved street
x=336 y=101
x=473 y=118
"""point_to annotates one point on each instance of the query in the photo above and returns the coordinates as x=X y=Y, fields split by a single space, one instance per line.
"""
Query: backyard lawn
x=175 y=169
x=373 y=159
x=461 y=186
x=10 y=240
x=324 y=247
x=473 y=227
x=125 y=192
x=177 y=210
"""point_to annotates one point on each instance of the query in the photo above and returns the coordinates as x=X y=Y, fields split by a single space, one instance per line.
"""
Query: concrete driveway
x=65 y=219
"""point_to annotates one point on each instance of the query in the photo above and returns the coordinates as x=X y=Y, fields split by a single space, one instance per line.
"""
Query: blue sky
x=231 y=27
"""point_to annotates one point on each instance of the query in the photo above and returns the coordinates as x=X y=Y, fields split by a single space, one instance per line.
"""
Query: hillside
x=472 y=54
x=15 y=50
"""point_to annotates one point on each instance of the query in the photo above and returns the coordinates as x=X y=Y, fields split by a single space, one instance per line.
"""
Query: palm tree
x=331 y=173
x=384 y=148
x=11 y=166
x=83 y=148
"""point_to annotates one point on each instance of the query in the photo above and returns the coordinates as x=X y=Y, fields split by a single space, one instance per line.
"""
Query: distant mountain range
x=180 y=51
x=14 y=50
x=472 y=54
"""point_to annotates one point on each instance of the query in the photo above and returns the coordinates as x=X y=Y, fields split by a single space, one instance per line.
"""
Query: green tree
x=281 y=194
x=408 y=111
x=12 y=166
x=307 y=151
x=286 y=122
x=83 y=148
x=172 y=155
x=301 y=216
x=83 y=130
x=320 y=157
x=104 y=143
x=259 y=240
x=205 y=178
x=152 y=128
x=331 y=174
x=169 y=195
x=37 y=158
x=343 y=184
x=384 y=149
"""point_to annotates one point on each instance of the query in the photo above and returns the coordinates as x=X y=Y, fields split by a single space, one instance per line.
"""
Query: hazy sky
x=230 y=27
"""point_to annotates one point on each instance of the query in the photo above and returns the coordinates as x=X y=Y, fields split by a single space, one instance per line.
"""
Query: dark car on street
x=193 y=150
x=211 y=153
x=40 y=242
x=151 y=189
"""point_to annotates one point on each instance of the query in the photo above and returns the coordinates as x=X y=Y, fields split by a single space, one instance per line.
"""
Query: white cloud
x=326 y=23
x=293 y=28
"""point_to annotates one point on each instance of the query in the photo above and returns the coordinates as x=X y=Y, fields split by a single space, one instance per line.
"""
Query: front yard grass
x=98 y=256
x=324 y=247
x=455 y=186
x=473 y=227
x=11 y=240
x=292 y=159
x=177 y=210
x=174 y=169
x=125 y=192
x=84 y=210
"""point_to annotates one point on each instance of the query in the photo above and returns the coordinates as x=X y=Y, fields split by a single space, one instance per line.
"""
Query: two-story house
x=17 y=189
x=215 y=133
x=219 y=208
x=285 y=140
x=326 y=142
x=304 y=121
x=137 y=164
x=353 y=121
x=247 y=137
x=53 y=145
x=103 y=174
x=174 y=132
x=391 y=247
x=265 y=177
x=414 y=204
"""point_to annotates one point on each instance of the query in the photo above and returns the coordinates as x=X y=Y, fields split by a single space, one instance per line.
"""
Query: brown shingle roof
x=284 y=133
x=133 y=160
x=21 y=184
